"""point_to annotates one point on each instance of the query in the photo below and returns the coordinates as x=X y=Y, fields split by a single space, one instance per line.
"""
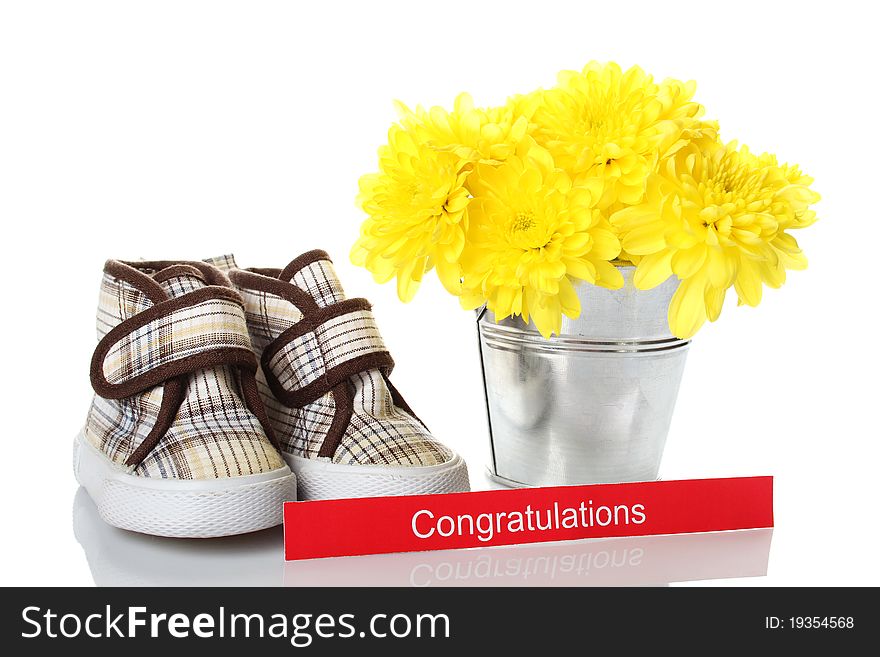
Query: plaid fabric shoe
x=177 y=442
x=324 y=378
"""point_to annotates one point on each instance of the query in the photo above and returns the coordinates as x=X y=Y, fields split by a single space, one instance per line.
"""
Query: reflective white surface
x=121 y=558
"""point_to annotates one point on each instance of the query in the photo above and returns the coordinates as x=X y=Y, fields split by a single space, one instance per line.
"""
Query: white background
x=188 y=129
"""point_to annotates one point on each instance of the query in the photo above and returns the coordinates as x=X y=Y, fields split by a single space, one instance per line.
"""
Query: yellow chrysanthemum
x=531 y=232
x=472 y=133
x=417 y=206
x=716 y=217
x=617 y=125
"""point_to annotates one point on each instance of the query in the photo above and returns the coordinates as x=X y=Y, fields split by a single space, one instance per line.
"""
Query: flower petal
x=449 y=274
x=644 y=240
x=687 y=262
x=714 y=302
x=748 y=284
x=687 y=310
x=653 y=270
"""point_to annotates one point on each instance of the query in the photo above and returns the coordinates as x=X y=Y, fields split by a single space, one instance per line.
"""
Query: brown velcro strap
x=202 y=329
x=325 y=348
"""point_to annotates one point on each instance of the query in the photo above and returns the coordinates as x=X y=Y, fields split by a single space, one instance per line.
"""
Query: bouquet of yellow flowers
x=513 y=206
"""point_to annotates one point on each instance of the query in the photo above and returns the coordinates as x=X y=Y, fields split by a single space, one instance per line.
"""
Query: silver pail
x=592 y=405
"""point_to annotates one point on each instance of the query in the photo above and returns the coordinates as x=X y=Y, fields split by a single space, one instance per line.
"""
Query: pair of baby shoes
x=221 y=393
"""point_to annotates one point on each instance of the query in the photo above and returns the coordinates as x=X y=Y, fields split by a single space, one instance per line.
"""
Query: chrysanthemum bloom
x=617 y=125
x=701 y=134
x=417 y=206
x=474 y=134
x=531 y=235
x=716 y=217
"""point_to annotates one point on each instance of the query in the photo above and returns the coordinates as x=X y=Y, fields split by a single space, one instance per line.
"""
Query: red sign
x=374 y=525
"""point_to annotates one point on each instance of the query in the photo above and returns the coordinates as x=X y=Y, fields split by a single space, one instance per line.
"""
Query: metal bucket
x=592 y=405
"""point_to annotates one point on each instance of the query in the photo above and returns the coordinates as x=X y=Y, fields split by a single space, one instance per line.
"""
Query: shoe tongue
x=314 y=273
x=178 y=280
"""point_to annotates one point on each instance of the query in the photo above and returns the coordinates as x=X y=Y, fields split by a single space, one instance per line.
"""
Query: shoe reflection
x=120 y=558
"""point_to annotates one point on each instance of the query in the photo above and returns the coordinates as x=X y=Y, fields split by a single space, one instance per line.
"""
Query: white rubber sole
x=322 y=480
x=181 y=508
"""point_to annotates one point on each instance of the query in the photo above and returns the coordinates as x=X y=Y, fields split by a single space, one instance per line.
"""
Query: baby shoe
x=177 y=442
x=343 y=428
